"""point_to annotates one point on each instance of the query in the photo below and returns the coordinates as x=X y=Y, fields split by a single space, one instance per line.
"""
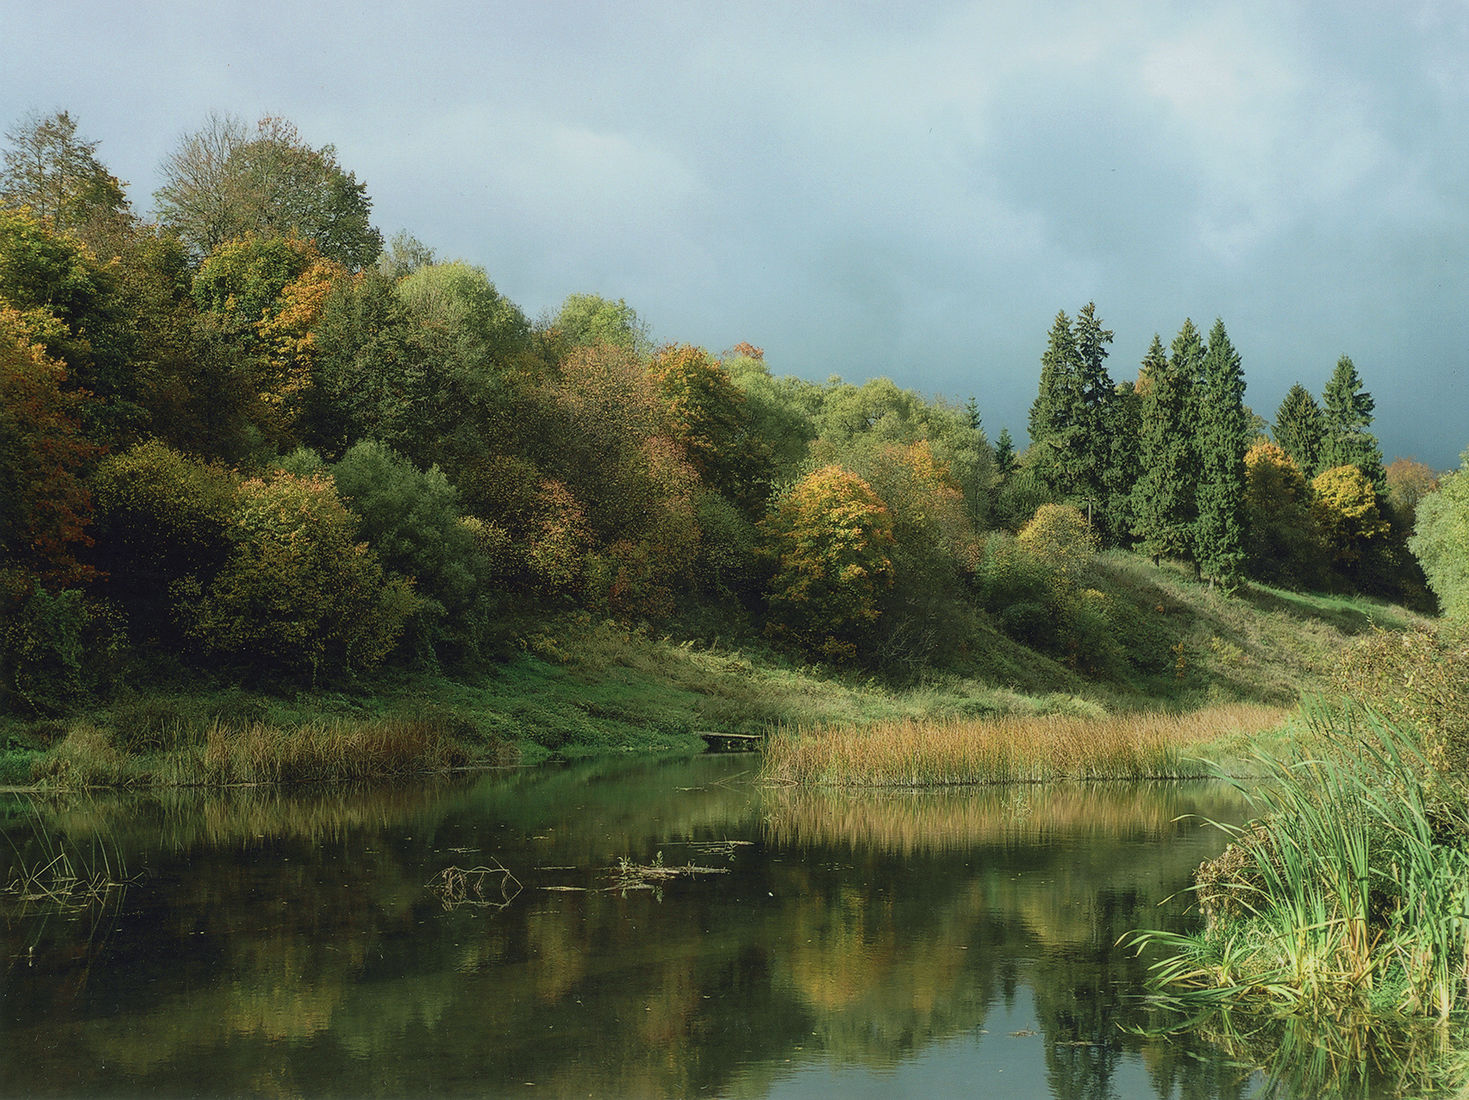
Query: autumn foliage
x=831 y=539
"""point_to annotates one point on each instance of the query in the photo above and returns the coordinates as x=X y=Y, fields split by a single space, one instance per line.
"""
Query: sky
x=868 y=189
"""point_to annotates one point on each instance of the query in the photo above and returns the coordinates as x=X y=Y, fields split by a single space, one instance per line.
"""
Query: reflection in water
x=294 y=943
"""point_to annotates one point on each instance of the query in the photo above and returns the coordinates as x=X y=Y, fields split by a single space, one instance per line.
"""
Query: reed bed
x=1349 y=892
x=1007 y=749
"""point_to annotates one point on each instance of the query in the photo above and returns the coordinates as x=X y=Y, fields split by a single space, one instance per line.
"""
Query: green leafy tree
x=410 y=518
x=1408 y=482
x=475 y=347
x=830 y=540
x=1441 y=540
x=1059 y=537
x=371 y=376
x=1223 y=435
x=298 y=595
x=1163 y=502
x=55 y=174
x=586 y=319
x=782 y=411
x=1346 y=417
x=1300 y=430
x=223 y=182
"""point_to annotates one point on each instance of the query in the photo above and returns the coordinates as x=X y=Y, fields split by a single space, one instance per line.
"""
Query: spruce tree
x=1052 y=425
x=1121 y=436
x=1299 y=429
x=1346 y=416
x=1222 y=434
x=1163 y=502
x=1004 y=454
x=1096 y=398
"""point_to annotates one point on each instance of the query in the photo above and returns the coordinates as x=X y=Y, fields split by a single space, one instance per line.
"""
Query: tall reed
x=1005 y=749
x=1348 y=891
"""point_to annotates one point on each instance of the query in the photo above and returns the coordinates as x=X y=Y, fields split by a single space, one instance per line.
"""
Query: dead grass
x=1008 y=748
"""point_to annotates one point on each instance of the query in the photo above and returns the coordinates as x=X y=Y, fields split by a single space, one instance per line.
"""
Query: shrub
x=162 y=518
x=410 y=517
x=299 y=594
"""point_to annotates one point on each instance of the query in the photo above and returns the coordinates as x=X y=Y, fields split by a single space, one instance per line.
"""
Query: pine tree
x=1346 y=416
x=1299 y=429
x=1052 y=430
x=1004 y=454
x=1223 y=437
x=1163 y=500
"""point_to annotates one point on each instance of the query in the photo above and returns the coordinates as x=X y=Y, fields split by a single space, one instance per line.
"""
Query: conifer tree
x=1223 y=437
x=1051 y=427
x=1004 y=454
x=1299 y=429
x=1121 y=474
x=1096 y=400
x=1163 y=500
x=1346 y=417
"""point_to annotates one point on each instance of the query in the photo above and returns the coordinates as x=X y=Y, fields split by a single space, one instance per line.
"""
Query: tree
x=1163 y=502
x=1351 y=523
x=587 y=319
x=298 y=594
x=1346 y=417
x=1223 y=436
x=222 y=182
x=1060 y=538
x=410 y=518
x=1441 y=540
x=1299 y=429
x=57 y=175
x=1055 y=430
x=1282 y=542
x=371 y=378
x=1004 y=454
x=1408 y=482
x=45 y=507
x=830 y=540
x=707 y=418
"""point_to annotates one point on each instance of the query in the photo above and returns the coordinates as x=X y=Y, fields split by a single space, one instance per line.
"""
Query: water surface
x=874 y=944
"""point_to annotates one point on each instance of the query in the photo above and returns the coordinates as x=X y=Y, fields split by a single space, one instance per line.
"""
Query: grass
x=227 y=753
x=1008 y=749
x=1350 y=892
x=575 y=686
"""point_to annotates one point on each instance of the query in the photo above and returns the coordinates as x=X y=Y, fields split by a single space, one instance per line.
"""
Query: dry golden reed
x=1007 y=749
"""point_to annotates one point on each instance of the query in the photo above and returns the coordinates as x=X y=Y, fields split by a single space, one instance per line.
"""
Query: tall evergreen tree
x=1299 y=429
x=1051 y=428
x=1163 y=501
x=1096 y=399
x=1223 y=437
x=1004 y=454
x=1346 y=418
x=1122 y=426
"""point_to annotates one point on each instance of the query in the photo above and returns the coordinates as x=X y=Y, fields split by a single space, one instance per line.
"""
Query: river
x=616 y=928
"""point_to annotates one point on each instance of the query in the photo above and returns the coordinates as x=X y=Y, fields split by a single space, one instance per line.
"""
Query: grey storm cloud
x=869 y=189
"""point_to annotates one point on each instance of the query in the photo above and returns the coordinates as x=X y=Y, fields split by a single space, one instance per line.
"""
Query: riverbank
x=571 y=686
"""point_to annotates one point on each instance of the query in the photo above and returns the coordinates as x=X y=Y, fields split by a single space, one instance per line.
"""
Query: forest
x=246 y=436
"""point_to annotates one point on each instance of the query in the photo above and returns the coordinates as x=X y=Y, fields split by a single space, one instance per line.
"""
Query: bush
x=410 y=517
x=162 y=518
x=299 y=594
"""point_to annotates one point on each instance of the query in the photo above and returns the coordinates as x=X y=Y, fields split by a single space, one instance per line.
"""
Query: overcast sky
x=910 y=190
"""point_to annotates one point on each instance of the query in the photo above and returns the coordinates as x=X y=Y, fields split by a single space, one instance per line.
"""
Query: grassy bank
x=572 y=686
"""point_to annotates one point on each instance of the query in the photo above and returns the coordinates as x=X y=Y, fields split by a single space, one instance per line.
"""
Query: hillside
x=574 y=685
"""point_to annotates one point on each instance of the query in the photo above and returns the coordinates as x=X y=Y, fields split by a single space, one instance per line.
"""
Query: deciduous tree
x=830 y=539
x=55 y=174
x=1441 y=541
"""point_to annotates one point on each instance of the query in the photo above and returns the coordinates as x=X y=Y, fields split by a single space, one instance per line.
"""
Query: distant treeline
x=248 y=435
